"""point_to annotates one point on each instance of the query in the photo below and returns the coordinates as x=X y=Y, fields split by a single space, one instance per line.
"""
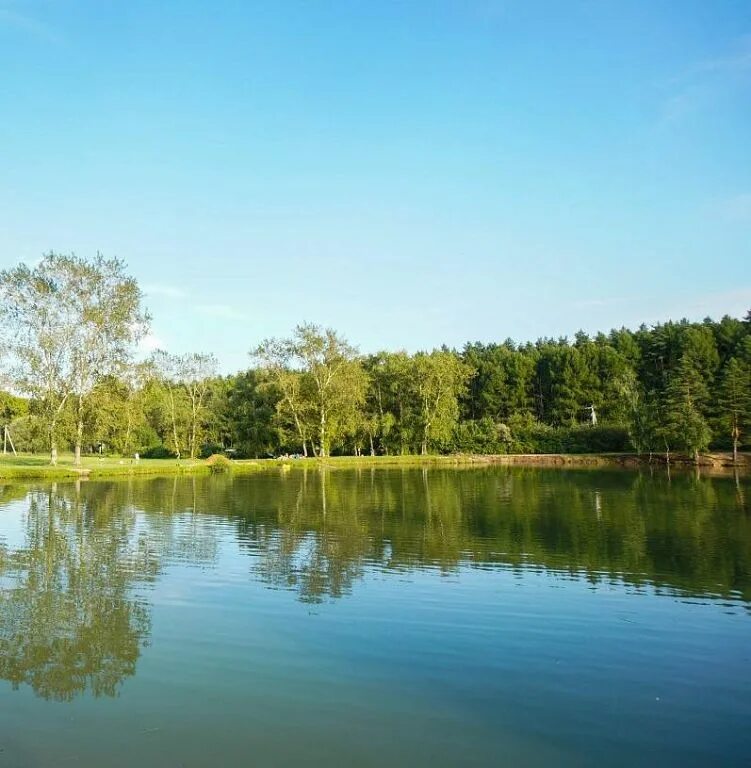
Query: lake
x=442 y=617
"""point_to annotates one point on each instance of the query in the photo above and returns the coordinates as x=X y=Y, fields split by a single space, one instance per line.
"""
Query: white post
x=7 y=438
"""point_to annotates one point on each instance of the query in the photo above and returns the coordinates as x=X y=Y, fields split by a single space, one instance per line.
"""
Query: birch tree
x=331 y=363
x=276 y=358
x=67 y=322
x=108 y=305
x=320 y=382
x=186 y=380
x=197 y=371
x=439 y=378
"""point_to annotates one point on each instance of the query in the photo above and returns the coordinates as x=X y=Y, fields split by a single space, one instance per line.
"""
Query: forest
x=71 y=380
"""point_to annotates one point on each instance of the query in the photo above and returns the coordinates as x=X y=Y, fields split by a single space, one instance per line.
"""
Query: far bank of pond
x=37 y=467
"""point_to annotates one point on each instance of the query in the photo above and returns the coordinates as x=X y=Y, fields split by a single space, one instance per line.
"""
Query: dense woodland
x=71 y=326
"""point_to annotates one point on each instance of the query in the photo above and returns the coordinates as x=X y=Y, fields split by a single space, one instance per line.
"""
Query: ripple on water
x=437 y=618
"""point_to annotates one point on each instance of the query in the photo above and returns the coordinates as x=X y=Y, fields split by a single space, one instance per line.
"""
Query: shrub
x=157 y=452
x=483 y=436
x=218 y=462
x=529 y=436
x=210 y=449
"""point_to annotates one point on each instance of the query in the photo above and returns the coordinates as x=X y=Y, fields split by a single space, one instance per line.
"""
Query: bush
x=529 y=436
x=483 y=437
x=157 y=452
x=211 y=449
x=218 y=462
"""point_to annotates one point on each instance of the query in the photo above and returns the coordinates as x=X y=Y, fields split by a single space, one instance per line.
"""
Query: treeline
x=71 y=325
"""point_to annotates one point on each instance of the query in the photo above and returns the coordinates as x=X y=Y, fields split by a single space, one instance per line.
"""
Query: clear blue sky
x=411 y=173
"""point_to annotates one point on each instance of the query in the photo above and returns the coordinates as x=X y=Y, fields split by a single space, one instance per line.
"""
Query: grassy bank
x=716 y=461
x=37 y=466
x=30 y=467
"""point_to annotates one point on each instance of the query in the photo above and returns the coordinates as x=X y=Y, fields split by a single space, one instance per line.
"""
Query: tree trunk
x=300 y=433
x=79 y=440
x=322 y=435
x=372 y=449
x=53 y=453
x=174 y=423
x=126 y=444
x=424 y=446
x=735 y=451
x=193 y=437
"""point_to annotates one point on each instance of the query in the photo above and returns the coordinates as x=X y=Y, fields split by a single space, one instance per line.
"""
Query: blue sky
x=411 y=173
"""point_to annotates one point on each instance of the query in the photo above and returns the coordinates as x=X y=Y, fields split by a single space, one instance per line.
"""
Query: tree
x=683 y=423
x=394 y=379
x=12 y=407
x=318 y=375
x=250 y=410
x=276 y=357
x=735 y=400
x=68 y=322
x=439 y=378
x=638 y=412
x=330 y=362
x=187 y=376
x=118 y=412
x=197 y=370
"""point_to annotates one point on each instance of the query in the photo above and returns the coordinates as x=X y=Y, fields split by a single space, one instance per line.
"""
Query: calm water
x=405 y=618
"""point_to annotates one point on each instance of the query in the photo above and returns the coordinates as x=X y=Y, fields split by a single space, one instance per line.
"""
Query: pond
x=493 y=616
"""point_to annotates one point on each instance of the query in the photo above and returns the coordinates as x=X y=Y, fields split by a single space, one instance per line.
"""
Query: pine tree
x=683 y=423
x=735 y=400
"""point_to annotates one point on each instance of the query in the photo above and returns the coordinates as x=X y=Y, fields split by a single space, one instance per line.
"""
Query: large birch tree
x=67 y=323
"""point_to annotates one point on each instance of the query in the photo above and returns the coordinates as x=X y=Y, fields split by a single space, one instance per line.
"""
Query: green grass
x=417 y=461
x=37 y=466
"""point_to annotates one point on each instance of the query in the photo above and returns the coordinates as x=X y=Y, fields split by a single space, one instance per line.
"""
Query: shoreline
x=34 y=468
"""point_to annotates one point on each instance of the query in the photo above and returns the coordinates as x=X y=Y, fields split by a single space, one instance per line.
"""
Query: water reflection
x=74 y=613
x=317 y=532
x=68 y=621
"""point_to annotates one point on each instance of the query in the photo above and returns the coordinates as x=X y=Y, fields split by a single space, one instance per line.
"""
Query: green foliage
x=686 y=395
x=158 y=452
x=735 y=401
x=12 y=407
x=320 y=384
x=483 y=436
x=70 y=324
x=29 y=434
x=535 y=437
x=219 y=463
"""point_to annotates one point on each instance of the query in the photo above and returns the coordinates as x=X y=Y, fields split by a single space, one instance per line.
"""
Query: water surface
x=494 y=616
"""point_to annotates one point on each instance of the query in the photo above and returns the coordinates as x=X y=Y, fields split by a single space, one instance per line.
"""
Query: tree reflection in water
x=74 y=613
x=68 y=620
x=316 y=532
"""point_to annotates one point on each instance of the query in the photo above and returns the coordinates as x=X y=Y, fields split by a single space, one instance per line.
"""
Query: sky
x=409 y=173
